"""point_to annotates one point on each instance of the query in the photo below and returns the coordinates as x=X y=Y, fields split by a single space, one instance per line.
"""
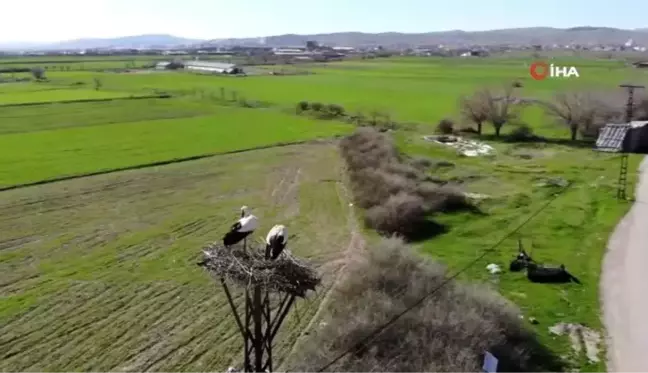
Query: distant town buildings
x=261 y=52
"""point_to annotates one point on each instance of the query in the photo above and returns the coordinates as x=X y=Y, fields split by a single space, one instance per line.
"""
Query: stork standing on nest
x=239 y=231
x=276 y=241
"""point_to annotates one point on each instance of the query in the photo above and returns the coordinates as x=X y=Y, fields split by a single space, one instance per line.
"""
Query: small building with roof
x=213 y=67
x=624 y=137
x=163 y=65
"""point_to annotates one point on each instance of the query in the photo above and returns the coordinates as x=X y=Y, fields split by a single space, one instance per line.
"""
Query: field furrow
x=112 y=283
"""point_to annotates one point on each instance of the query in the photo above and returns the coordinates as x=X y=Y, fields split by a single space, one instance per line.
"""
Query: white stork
x=276 y=241
x=242 y=228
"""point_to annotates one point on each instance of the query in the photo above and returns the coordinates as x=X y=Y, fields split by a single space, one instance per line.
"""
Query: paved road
x=624 y=285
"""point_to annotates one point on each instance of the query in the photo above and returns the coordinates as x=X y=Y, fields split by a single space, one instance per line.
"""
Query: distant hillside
x=8 y=46
x=532 y=35
x=138 y=41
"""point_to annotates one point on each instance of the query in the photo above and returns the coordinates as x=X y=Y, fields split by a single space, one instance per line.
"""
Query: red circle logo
x=539 y=70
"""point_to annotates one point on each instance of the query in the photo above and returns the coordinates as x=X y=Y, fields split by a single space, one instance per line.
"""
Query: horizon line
x=305 y=34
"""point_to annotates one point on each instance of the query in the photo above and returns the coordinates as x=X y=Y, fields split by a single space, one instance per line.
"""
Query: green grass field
x=573 y=230
x=72 y=151
x=98 y=248
x=57 y=95
x=420 y=90
x=17 y=119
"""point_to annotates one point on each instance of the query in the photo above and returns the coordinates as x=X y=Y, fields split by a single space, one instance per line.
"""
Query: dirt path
x=356 y=245
x=625 y=286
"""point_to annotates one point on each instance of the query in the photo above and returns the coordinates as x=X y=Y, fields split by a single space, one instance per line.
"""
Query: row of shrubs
x=448 y=332
x=86 y=100
x=397 y=193
x=226 y=97
x=321 y=111
x=318 y=110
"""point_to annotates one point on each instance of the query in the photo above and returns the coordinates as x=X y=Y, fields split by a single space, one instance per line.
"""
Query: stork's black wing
x=278 y=244
x=236 y=226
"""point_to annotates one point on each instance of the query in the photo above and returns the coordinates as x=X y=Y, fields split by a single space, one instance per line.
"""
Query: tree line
x=581 y=112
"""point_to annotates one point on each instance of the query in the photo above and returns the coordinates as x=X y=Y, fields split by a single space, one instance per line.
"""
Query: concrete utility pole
x=623 y=172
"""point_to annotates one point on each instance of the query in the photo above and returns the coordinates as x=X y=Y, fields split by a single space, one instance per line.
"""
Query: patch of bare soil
x=581 y=338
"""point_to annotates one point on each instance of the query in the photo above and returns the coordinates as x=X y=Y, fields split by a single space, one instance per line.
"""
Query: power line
x=366 y=340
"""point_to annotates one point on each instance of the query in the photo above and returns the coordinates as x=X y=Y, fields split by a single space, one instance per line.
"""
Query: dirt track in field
x=98 y=273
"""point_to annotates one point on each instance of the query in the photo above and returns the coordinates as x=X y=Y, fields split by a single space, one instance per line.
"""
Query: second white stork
x=276 y=241
x=247 y=224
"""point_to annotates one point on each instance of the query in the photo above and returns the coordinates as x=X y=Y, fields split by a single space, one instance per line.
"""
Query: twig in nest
x=285 y=274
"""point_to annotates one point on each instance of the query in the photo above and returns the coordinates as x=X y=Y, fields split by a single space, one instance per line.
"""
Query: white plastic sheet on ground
x=468 y=148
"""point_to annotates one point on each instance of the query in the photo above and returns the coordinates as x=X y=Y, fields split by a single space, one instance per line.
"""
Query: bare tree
x=311 y=45
x=475 y=108
x=582 y=111
x=38 y=73
x=574 y=109
x=500 y=107
x=641 y=108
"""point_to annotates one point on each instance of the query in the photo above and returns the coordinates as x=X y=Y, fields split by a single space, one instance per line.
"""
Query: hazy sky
x=54 y=20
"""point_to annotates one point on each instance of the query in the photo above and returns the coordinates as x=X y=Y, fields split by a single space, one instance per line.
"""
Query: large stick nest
x=250 y=267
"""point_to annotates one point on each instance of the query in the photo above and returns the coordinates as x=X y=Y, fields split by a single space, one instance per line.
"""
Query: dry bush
x=445 y=198
x=445 y=126
x=399 y=195
x=335 y=110
x=405 y=170
x=373 y=187
x=522 y=133
x=401 y=214
x=447 y=332
x=302 y=106
x=366 y=148
x=421 y=163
